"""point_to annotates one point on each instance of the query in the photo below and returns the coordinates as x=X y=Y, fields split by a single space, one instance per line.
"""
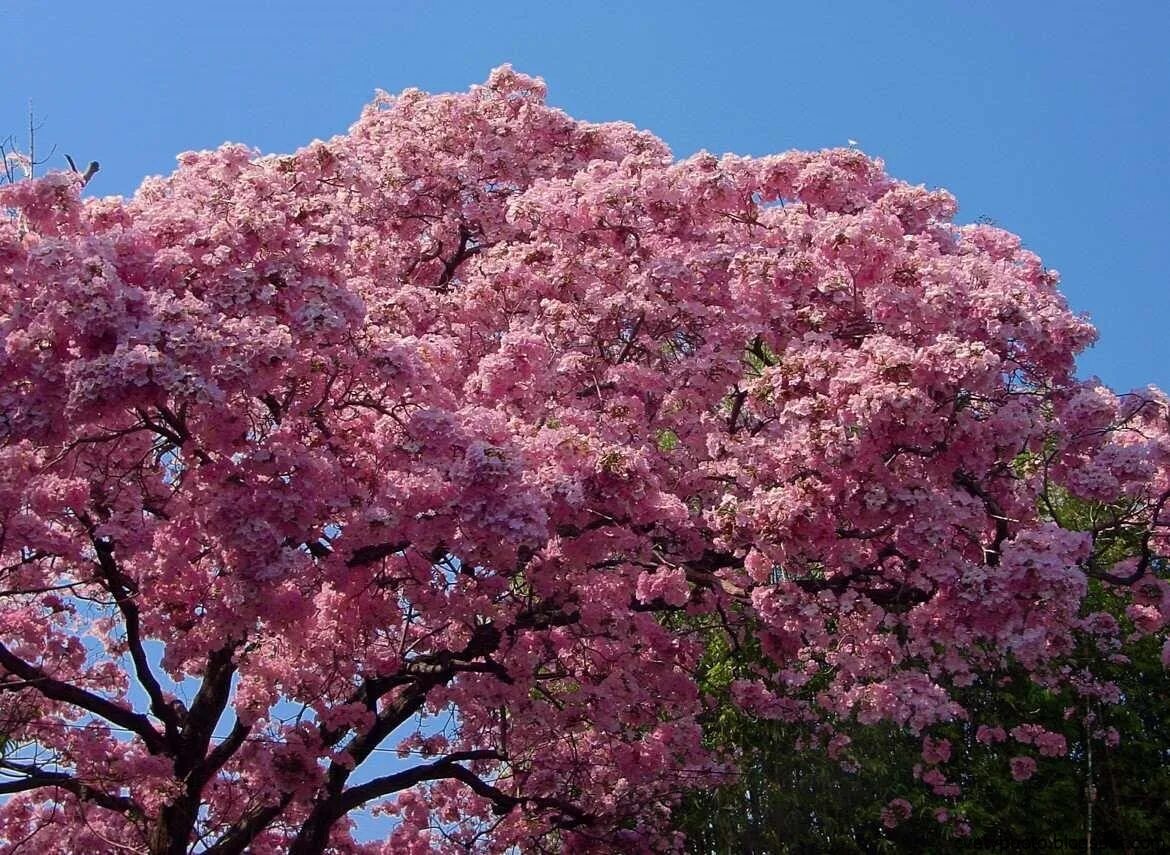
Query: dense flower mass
x=460 y=433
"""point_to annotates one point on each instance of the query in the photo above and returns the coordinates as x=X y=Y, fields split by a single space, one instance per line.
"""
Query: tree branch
x=124 y=589
x=448 y=768
x=206 y=709
x=218 y=756
x=444 y=767
x=991 y=554
x=375 y=552
x=1147 y=555
x=38 y=778
x=241 y=835
x=464 y=251
x=737 y=399
x=420 y=675
x=57 y=690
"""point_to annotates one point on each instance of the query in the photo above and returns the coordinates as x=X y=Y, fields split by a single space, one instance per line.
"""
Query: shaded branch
x=124 y=589
x=90 y=171
x=737 y=399
x=241 y=835
x=206 y=710
x=375 y=552
x=1147 y=555
x=628 y=346
x=702 y=573
x=220 y=754
x=445 y=767
x=66 y=693
x=464 y=251
x=991 y=554
x=448 y=767
x=38 y=778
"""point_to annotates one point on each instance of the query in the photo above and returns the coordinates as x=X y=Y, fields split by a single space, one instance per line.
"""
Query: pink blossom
x=990 y=735
x=1022 y=768
x=668 y=585
x=933 y=778
x=1051 y=744
x=837 y=744
x=1026 y=734
x=1146 y=619
x=896 y=812
x=936 y=750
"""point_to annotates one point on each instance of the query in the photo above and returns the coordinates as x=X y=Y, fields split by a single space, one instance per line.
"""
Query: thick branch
x=448 y=768
x=331 y=806
x=737 y=399
x=66 y=693
x=420 y=676
x=171 y=833
x=218 y=756
x=241 y=835
x=465 y=251
x=702 y=574
x=375 y=552
x=37 y=778
x=207 y=708
x=444 y=767
x=394 y=714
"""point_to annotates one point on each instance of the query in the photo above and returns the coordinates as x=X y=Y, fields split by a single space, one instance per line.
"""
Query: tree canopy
x=464 y=433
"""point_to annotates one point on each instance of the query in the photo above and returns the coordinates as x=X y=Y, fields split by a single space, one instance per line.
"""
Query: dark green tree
x=805 y=789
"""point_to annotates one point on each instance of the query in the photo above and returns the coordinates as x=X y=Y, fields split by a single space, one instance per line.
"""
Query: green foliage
x=1105 y=795
x=667 y=440
x=798 y=799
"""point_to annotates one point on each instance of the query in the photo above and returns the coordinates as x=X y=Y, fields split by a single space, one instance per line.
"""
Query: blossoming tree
x=457 y=435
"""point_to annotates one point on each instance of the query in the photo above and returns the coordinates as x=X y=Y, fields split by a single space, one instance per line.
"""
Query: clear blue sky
x=1051 y=118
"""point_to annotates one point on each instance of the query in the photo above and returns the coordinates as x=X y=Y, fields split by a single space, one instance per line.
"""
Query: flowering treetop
x=479 y=408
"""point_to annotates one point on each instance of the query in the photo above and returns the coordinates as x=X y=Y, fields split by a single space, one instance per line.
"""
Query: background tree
x=1109 y=791
x=429 y=437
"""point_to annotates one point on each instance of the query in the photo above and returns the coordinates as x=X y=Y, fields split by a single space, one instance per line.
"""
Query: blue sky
x=1049 y=118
